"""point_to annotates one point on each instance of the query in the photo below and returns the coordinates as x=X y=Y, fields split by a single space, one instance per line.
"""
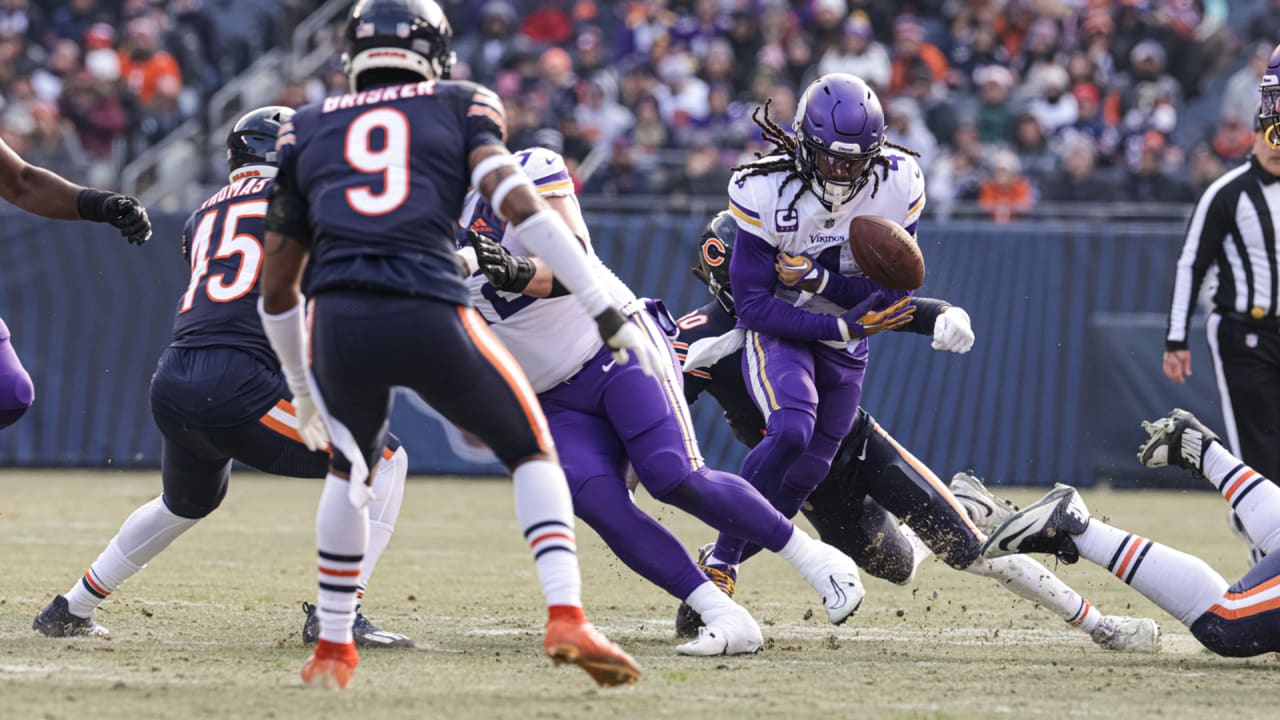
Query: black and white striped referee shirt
x=1233 y=227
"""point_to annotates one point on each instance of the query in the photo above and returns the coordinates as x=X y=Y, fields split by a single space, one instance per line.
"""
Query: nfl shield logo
x=1251 y=340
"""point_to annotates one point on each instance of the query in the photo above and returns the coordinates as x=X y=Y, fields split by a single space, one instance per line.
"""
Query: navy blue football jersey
x=223 y=242
x=384 y=173
x=723 y=378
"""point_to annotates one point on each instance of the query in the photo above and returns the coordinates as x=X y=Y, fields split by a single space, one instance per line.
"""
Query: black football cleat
x=1045 y=526
x=56 y=620
x=1179 y=439
x=366 y=634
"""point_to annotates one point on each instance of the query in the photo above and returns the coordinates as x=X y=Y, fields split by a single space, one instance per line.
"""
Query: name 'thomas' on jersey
x=384 y=173
x=551 y=338
x=223 y=242
x=760 y=206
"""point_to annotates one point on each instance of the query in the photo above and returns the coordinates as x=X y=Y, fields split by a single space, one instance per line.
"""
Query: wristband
x=91 y=203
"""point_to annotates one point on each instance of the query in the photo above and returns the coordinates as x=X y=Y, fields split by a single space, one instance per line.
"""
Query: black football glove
x=119 y=211
x=503 y=270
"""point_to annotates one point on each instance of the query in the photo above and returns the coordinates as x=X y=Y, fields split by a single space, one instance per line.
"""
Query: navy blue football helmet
x=253 y=139
x=715 y=247
x=410 y=36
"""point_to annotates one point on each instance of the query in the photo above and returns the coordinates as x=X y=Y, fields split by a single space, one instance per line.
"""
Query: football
x=886 y=252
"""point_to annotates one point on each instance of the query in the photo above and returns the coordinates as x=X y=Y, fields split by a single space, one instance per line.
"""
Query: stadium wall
x=1069 y=320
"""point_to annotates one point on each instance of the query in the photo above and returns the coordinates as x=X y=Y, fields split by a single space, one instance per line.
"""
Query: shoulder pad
x=547 y=170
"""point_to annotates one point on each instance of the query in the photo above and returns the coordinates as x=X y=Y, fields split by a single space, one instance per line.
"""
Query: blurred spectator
x=703 y=173
x=1147 y=180
x=600 y=118
x=1232 y=138
x=152 y=75
x=620 y=176
x=906 y=127
x=995 y=117
x=1265 y=26
x=1206 y=168
x=911 y=50
x=1080 y=180
x=1090 y=123
x=485 y=52
x=72 y=20
x=682 y=96
x=1032 y=148
x=957 y=174
x=1240 y=99
x=1148 y=95
x=1007 y=194
x=858 y=54
x=52 y=141
x=696 y=32
x=547 y=23
x=1055 y=108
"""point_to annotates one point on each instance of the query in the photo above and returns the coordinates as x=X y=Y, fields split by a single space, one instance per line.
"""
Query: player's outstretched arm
x=496 y=174
x=44 y=193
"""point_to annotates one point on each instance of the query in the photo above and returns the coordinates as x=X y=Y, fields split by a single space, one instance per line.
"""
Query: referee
x=1235 y=228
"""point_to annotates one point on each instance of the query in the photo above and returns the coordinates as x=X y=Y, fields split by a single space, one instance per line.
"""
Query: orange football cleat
x=330 y=666
x=571 y=639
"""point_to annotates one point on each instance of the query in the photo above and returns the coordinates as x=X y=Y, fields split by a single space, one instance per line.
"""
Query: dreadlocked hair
x=784 y=144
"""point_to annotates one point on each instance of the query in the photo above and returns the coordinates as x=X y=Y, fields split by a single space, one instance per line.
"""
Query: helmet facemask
x=1269 y=115
x=835 y=177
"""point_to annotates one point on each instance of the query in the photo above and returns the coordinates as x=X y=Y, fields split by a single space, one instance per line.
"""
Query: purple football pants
x=607 y=415
x=16 y=390
x=809 y=395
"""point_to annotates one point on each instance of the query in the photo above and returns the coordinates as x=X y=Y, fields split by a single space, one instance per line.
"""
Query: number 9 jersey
x=384 y=173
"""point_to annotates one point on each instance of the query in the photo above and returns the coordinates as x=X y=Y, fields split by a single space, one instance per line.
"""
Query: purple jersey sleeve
x=848 y=291
x=752 y=276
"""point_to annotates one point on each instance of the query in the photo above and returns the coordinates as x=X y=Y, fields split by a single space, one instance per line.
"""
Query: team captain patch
x=786 y=220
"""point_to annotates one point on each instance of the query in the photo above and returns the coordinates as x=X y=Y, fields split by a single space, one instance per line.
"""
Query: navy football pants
x=364 y=344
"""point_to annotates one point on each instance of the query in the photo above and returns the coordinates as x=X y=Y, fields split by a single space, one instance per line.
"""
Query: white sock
x=709 y=602
x=803 y=552
x=1253 y=497
x=1183 y=585
x=545 y=512
x=342 y=535
x=388 y=494
x=919 y=551
x=1029 y=580
x=144 y=534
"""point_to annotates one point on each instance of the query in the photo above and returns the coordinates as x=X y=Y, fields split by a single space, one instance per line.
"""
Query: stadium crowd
x=1012 y=103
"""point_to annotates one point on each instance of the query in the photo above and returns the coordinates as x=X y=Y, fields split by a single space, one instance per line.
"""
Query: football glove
x=863 y=322
x=799 y=271
x=310 y=422
x=952 y=331
x=120 y=211
x=622 y=336
x=503 y=270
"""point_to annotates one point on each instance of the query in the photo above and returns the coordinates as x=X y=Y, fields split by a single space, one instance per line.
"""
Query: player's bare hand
x=798 y=271
x=625 y=339
x=1177 y=365
x=952 y=331
x=310 y=422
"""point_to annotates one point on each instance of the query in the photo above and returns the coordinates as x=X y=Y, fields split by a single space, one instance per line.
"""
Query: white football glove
x=310 y=422
x=952 y=332
x=622 y=336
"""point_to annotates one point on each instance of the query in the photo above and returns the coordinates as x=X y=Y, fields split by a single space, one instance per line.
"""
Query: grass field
x=211 y=628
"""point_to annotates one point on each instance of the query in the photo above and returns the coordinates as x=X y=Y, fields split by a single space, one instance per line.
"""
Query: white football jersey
x=813 y=230
x=551 y=338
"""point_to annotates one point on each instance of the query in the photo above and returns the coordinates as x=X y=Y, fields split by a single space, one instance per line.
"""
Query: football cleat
x=367 y=635
x=1127 y=634
x=56 y=620
x=724 y=577
x=732 y=633
x=577 y=642
x=1045 y=526
x=331 y=665
x=836 y=580
x=985 y=509
x=1179 y=439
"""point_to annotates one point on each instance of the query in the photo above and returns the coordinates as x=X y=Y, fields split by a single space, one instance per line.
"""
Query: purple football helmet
x=839 y=130
x=1269 y=113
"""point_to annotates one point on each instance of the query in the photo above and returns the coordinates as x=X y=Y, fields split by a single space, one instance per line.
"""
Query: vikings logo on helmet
x=1269 y=112
x=839 y=129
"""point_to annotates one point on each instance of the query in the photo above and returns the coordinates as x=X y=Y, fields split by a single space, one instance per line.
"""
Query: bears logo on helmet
x=715 y=248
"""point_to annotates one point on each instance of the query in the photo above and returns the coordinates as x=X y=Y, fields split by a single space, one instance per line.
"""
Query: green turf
x=211 y=628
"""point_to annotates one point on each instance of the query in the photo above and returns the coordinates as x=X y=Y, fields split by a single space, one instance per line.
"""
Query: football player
x=603 y=416
x=218 y=395
x=807 y=347
x=873 y=478
x=370 y=189
x=47 y=194
x=1237 y=621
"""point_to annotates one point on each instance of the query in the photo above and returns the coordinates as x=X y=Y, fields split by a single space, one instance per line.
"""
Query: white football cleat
x=985 y=509
x=1127 y=634
x=730 y=633
x=1045 y=526
x=836 y=580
